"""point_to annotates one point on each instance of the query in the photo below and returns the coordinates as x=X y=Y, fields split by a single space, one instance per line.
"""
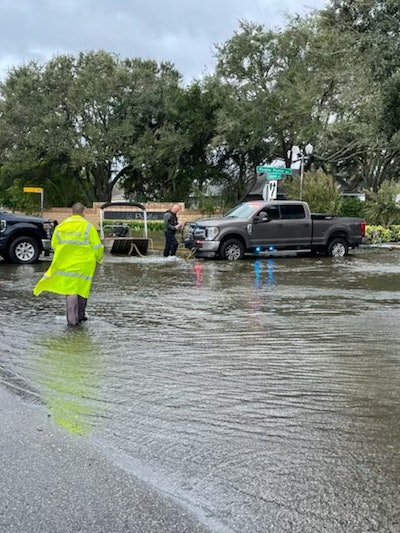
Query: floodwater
x=263 y=395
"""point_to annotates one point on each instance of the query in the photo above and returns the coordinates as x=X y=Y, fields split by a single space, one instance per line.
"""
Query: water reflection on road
x=264 y=394
x=69 y=385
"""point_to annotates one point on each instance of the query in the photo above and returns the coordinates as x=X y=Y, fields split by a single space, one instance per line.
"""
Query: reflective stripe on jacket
x=77 y=249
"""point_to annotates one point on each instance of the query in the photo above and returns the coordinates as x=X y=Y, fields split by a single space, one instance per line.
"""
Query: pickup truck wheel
x=232 y=250
x=338 y=248
x=24 y=250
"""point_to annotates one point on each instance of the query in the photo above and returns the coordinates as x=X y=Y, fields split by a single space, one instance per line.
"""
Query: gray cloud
x=182 y=31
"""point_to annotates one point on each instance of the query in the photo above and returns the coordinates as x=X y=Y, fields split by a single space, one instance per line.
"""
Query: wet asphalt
x=52 y=481
x=255 y=396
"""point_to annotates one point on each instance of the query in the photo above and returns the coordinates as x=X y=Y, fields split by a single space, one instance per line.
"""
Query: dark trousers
x=76 y=307
x=171 y=244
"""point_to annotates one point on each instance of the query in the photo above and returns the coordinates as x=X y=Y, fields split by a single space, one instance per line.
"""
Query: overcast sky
x=181 y=31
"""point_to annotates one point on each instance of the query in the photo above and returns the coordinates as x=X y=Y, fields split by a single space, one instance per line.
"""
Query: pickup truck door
x=266 y=225
x=288 y=229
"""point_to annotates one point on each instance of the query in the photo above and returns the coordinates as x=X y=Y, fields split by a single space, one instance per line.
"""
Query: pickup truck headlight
x=3 y=224
x=212 y=233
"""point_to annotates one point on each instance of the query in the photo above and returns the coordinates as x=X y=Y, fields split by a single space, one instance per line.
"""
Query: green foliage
x=381 y=207
x=137 y=226
x=319 y=191
x=352 y=207
x=79 y=124
x=390 y=113
x=207 y=205
x=90 y=113
x=16 y=199
x=379 y=234
x=395 y=233
x=60 y=183
x=375 y=25
x=358 y=144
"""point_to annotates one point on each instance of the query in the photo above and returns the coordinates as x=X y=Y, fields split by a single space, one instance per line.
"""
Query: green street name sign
x=274 y=173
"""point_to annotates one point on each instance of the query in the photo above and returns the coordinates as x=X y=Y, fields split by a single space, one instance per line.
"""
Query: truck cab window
x=272 y=212
x=292 y=211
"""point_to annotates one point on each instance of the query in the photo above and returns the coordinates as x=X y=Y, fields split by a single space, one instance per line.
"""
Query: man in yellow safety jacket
x=77 y=250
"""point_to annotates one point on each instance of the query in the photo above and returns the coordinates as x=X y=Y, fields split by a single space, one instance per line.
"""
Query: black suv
x=23 y=238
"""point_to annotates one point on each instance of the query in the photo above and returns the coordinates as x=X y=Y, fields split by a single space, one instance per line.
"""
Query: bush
x=381 y=208
x=137 y=225
x=395 y=231
x=319 y=191
x=378 y=234
x=352 y=207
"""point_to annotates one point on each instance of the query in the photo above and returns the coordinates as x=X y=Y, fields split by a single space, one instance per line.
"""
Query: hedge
x=377 y=234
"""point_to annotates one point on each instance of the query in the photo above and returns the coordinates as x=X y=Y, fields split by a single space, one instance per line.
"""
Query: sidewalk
x=54 y=482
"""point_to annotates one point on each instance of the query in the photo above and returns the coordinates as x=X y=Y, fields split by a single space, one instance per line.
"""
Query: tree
x=315 y=81
x=381 y=206
x=173 y=155
x=56 y=176
x=88 y=112
x=320 y=191
x=282 y=90
x=359 y=143
x=375 y=27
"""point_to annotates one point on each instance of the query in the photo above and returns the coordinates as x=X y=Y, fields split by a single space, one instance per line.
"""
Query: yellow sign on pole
x=39 y=190
x=33 y=189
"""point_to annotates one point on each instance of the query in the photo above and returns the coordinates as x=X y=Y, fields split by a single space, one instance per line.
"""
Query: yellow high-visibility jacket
x=77 y=249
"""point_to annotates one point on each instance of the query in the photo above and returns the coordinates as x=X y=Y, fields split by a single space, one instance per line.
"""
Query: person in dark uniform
x=171 y=225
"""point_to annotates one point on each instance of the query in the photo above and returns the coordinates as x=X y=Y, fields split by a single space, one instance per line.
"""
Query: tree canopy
x=79 y=125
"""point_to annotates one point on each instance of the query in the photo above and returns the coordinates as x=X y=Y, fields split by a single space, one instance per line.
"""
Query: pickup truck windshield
x=244 y=210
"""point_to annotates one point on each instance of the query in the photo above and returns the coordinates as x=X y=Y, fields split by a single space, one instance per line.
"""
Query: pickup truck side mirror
x=261 y=217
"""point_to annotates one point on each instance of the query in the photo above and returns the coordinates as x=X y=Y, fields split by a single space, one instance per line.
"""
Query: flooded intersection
x=261 y=394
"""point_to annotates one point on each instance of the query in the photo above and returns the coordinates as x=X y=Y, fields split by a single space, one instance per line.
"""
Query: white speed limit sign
x=270 y=190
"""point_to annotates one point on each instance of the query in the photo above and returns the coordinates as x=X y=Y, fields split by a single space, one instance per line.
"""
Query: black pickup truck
x=265 y=227
x=23 y=238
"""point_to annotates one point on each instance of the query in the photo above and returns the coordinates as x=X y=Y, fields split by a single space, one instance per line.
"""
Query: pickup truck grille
x=192 y=234
x=196 y=232
x=48 y=227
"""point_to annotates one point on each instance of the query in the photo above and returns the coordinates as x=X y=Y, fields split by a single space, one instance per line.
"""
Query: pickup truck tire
x=231 y=250
x=338 y=247
x=24 y=250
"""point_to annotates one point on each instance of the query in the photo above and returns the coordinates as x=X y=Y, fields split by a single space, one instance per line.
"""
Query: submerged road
x=254 y=396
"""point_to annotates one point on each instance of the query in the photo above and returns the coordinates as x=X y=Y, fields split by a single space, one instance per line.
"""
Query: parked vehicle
x=255 y=227
x=23 y=238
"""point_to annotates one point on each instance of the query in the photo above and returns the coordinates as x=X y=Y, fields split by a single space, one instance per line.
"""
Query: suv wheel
x=24 y=250
x=232 y=250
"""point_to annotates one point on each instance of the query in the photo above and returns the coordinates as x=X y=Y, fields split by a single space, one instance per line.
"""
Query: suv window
x=292 y=211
